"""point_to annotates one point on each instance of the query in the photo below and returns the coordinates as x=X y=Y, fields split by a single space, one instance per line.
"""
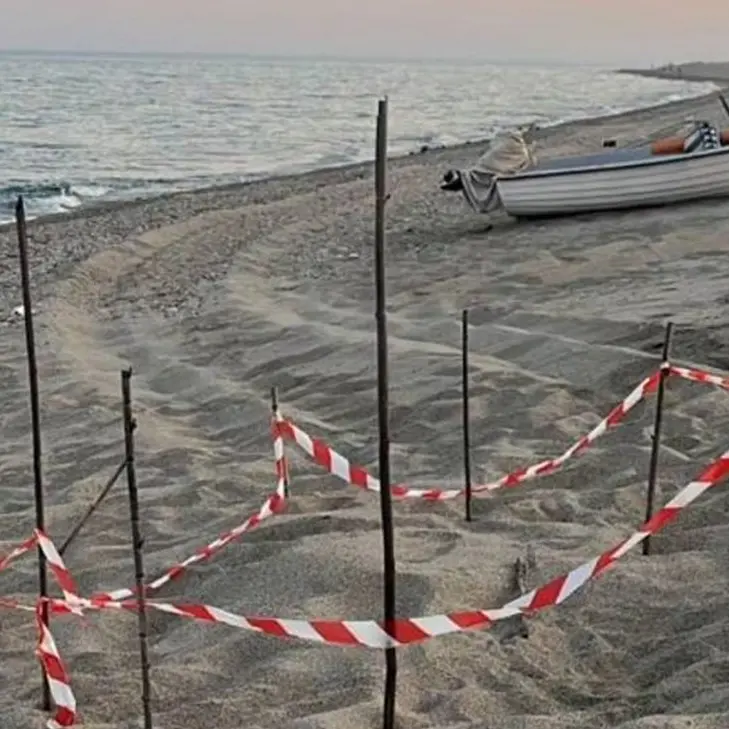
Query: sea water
x=81 y=128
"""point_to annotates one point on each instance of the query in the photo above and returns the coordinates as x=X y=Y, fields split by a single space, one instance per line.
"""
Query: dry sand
x=216 y=296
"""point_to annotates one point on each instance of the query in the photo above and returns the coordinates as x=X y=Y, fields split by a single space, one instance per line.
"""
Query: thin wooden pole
x=656 y=438
x=274 y=410
x=35 y=419
x=388 y=542
x=137 y=543
x=466 y=415
x=92 y=508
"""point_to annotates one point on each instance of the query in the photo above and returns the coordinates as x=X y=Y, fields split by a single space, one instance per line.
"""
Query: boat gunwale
x=648 y=161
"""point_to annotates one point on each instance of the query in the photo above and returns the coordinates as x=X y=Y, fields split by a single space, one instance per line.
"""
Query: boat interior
x=704 y=138
x=608 y=157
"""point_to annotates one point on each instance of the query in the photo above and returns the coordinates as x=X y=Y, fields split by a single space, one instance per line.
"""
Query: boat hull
x=659 y=180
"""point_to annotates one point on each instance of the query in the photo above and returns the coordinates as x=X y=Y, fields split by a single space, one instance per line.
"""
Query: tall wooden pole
x=466 y=415
x=388 y=545
x=137 y=543
x=34 y=418
x=655 y=446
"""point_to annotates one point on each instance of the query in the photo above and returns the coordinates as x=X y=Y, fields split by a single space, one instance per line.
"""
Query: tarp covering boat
x=508 y=154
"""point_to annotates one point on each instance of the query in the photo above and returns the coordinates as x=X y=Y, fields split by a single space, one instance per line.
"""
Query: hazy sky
x=598 y=31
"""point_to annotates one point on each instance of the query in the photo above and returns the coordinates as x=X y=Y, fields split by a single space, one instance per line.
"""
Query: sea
x=78 y=129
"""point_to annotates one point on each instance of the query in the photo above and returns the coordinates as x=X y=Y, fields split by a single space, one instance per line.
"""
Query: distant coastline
x=694 y=71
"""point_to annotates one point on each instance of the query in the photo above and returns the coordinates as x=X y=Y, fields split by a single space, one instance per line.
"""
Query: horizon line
x=314 y=57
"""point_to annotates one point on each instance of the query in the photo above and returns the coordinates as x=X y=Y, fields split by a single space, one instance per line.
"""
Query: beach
x=213 y=297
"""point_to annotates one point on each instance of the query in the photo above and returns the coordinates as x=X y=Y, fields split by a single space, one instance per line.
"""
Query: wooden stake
x=137 y=543
x=521 y=572
x=92 y=508
x=656 y=438
x=466 y=416
x=20 y=224
x=388 y=720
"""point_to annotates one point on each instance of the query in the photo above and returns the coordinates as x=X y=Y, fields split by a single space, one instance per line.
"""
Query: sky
x=612 y=32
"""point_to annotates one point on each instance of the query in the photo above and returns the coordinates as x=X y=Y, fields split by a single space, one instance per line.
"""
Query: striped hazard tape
x=364 y=633
x=58 y=568
x=18 y=551
x=279 y=455
x=56 y=674
x=407 y=631
x=47 y=651
x=275 y=504
x=694 y=375
x=339 y=466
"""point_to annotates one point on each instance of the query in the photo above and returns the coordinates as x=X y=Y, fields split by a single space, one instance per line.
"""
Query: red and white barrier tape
x=18 y=551
x=58 y=567
x=646 y=387
x=59 y=682
x=273 y=505
x=688 y=373
x=339 y=466
x=55 y=562
x=366 y=633
x=56 y=675
x=406 y=631
x=279 y=455
x=371 y=633
x=46 y=650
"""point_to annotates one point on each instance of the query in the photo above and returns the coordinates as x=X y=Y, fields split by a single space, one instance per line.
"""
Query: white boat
x=509 y=177
x=615 y=180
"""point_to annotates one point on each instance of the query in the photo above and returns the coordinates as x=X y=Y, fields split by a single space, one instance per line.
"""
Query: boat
x=672 y=170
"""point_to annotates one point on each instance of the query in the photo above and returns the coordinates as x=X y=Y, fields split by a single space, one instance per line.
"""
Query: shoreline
x=95 y=208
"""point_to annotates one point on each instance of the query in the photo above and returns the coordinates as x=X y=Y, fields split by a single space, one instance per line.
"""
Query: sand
x=213 y=297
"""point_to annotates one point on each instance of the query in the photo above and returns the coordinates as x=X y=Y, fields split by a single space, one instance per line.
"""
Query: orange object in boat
x=667 y=145
x=674 y=145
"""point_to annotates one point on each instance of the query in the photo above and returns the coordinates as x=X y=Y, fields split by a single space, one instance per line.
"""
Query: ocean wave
x=47 y=198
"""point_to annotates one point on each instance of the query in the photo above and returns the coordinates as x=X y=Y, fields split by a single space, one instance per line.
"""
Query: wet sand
x=214 y=297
